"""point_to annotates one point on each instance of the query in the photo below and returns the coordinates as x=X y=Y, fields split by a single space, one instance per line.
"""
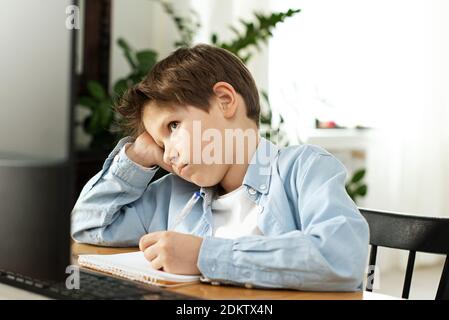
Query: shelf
x=338 y=138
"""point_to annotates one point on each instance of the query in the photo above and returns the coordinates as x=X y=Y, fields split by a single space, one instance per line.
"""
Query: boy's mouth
x=180 y=169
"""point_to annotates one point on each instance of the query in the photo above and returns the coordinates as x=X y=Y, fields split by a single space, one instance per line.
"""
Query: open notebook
x=133 y=266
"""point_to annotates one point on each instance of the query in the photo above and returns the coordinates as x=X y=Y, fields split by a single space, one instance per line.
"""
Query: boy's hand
x=174 y=252
x=146 y=152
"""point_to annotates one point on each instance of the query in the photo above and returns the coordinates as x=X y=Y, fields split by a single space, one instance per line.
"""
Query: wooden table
x=207 y=291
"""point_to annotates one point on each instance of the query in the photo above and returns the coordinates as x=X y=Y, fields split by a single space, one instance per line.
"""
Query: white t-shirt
x=235 y=215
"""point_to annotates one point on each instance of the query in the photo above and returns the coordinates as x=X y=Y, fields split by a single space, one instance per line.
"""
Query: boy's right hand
x=145 y=152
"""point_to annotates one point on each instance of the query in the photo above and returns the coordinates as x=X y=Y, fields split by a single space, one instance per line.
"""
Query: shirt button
x=263 y=186
x=251 y=191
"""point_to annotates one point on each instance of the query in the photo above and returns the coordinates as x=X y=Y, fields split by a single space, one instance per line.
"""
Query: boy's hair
x=187 y=77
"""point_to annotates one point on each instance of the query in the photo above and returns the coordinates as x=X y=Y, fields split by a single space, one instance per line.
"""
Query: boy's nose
x=171 y=156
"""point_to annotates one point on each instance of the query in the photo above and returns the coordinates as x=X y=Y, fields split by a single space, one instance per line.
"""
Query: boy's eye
x=173 y=125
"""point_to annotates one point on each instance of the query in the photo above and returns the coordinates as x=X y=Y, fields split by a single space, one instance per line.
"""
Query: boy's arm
x=329 y=253
x=111 y=209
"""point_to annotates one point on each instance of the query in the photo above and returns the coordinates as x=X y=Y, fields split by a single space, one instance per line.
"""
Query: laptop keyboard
x=92 y=287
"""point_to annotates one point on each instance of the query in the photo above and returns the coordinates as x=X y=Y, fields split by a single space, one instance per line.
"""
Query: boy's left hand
x=174 y=252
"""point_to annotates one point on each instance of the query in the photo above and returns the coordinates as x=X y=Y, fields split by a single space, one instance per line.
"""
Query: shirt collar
x=258 y=174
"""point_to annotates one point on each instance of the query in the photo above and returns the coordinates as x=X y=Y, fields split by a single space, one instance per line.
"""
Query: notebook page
x=133 y=263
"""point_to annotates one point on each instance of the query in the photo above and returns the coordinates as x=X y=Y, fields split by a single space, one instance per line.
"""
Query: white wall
x=34 y=77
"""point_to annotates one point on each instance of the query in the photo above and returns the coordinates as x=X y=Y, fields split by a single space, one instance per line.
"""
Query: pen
x=187 y=209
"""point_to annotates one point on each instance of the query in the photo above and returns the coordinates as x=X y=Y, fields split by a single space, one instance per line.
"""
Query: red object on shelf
x=327 y=124
x=331 y=124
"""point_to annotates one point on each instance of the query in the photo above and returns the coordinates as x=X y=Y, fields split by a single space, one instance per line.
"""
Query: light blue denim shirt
x=314 y=238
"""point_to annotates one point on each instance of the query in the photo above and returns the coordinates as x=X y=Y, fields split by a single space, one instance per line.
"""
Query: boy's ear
x=227 y=98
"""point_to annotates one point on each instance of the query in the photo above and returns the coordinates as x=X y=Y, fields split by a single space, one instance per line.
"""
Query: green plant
x=98 y=122
x=355 y=186
x=254 y=33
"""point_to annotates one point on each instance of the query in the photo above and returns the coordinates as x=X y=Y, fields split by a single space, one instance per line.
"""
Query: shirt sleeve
x=111 y=209
x=328 y=253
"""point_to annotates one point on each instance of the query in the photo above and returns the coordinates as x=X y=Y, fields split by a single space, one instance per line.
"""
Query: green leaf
x=87 y=102
x=127 y=52
x=358 y=175
x=264 y=95
x=93 y=123
x=100 y=120
x=120 y=87
x=96 y=90
x=361 y=190
x=146 y=59
x=106 y=113
x=135 y=78
x=235 y=31
x=214 y=38
x=255 y=32
x=123 y=44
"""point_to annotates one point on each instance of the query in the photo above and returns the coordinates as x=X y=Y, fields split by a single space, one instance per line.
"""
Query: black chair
x=412 y=233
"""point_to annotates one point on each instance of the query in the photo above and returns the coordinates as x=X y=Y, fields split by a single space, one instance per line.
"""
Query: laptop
x=36 y=154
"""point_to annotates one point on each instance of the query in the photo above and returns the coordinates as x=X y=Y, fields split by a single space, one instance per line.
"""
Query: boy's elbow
x=341 y=277
x=330 y=279
x=346 y=265
x=355 y=262
x=353 y=269
x=84 y=231
x=85 y=236
x=351 y=280
x=105 y=236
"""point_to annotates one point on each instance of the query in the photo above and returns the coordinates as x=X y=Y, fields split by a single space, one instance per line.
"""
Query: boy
x=267 y=217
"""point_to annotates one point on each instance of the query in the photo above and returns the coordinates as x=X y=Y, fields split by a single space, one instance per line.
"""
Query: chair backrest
x=409 y=232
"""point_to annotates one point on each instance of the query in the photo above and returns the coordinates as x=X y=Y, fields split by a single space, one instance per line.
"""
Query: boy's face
x=184 y=132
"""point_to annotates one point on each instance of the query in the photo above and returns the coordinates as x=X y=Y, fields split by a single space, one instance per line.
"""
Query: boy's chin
x=201 y=182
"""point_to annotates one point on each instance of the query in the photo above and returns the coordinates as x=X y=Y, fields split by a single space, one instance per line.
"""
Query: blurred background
x=368 y=81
